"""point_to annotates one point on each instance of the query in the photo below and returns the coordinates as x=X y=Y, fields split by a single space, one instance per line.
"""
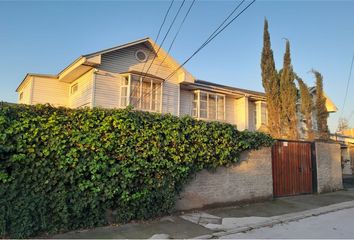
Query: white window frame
x=21 y=96
x=217 y=95
x=151 y=80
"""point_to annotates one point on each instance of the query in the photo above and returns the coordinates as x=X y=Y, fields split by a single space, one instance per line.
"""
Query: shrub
x=63 y=169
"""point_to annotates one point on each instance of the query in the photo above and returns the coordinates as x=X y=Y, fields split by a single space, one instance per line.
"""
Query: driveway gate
x=292 y=168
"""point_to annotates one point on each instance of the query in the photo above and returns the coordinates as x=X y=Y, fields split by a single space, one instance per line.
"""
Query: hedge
x=63 y=169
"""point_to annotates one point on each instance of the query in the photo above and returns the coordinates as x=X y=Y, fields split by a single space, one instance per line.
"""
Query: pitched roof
x=198 y=81
x=143 y=40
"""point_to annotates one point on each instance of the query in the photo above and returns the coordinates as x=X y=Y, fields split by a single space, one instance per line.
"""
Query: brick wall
x=250 y=179
x=329 y=169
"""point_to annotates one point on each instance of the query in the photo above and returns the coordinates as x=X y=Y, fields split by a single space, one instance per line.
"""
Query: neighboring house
x=331 y=108
x=116 y=78
x=346 y=139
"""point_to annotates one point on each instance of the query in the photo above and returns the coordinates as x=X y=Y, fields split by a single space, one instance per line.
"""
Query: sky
x=46 y=36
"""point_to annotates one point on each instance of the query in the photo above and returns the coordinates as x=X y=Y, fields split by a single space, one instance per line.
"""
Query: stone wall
x=329 y=169
x=248 y=180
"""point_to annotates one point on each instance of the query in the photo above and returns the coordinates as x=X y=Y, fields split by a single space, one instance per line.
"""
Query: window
x=21 y=95
x=208 y=105
x=261 y=114
x=142 y=93
x=74 y=88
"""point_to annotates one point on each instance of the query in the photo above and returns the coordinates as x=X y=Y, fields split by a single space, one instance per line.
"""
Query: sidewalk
x=222 y=221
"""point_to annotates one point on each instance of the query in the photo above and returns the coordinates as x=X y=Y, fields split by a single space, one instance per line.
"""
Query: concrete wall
x=346 y=161
x=250 y=179
x=329 y=169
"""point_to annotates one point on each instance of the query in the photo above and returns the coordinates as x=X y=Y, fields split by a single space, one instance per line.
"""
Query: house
x=118 y=77
x=143 y=75
x=346 y=139
x=330 y=106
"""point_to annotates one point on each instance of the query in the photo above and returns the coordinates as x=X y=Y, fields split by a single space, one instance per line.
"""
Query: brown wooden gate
x=292 y=168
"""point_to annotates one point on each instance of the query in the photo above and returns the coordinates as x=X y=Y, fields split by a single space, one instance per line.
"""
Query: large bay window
x=207 y=105
x=143 y=93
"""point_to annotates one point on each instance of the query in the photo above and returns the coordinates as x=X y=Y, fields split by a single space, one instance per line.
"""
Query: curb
x=291 y=217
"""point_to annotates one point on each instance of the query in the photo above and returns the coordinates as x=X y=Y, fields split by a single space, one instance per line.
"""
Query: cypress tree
x=288 y=97
x=306 y=107
x=270 y=83
x=321 y=110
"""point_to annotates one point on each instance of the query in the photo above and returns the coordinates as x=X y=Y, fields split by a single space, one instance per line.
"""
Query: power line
x=178 y=31
x=163 y=40
x=211 y=37
x=347 y=88
x=158 y=34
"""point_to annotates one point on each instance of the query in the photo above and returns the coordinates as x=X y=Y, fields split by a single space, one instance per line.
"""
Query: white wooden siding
x=241 y=114
x=251 y=118
x=107 y=90
x=123 y=60
x=230 y=110
x=50 y=90
x=186 y=102
x=26 y=90
x=170 y=98
x=83 y=97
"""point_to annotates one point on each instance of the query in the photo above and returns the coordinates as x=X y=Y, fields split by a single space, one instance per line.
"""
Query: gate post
x=314 y=167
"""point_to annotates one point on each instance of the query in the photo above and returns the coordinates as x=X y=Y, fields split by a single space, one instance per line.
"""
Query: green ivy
x=63 y=169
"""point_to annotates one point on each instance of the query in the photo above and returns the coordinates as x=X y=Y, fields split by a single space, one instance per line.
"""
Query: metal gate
x=292 y=168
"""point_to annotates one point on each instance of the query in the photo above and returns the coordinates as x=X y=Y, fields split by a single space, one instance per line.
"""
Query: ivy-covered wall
x=64 y=169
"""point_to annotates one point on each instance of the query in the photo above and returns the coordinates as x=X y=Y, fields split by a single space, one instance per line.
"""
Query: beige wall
x=84 y=96
x=329 y=170
x=26 y=90
x=107 y=90
x=250 y=179
x=50 y=90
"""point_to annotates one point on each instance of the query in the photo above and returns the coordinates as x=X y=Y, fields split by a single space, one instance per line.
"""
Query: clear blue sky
x=44 y=37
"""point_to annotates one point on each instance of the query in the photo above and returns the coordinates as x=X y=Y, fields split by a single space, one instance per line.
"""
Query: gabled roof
x=201 y=84
x=331 y=107
x=143 y=40
x=82 y=63
x=34 y=75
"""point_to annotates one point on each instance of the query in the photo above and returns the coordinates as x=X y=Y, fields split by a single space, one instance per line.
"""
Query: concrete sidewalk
x=223 y=221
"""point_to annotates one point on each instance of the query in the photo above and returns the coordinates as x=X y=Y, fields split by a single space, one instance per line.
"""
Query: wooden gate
x=292 y=168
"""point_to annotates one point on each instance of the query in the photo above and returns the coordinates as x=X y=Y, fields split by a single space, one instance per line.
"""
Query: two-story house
x=118 y=77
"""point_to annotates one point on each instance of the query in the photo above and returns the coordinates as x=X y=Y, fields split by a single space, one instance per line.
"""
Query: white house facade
x=143 y=75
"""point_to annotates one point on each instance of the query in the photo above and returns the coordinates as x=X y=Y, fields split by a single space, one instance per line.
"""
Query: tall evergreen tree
x=321 y=110
x=306 y=107
x=288 y=98
x=270 y=83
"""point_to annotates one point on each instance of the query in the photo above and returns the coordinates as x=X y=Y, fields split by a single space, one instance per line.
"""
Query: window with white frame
x=207 y=105
x=21 y=95
x=143 y=93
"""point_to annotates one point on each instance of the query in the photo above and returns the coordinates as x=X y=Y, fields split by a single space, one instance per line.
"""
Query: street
x=337 y=224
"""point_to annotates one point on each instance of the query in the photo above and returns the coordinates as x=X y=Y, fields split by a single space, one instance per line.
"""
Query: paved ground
x=331 y=225
x=196 y=223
